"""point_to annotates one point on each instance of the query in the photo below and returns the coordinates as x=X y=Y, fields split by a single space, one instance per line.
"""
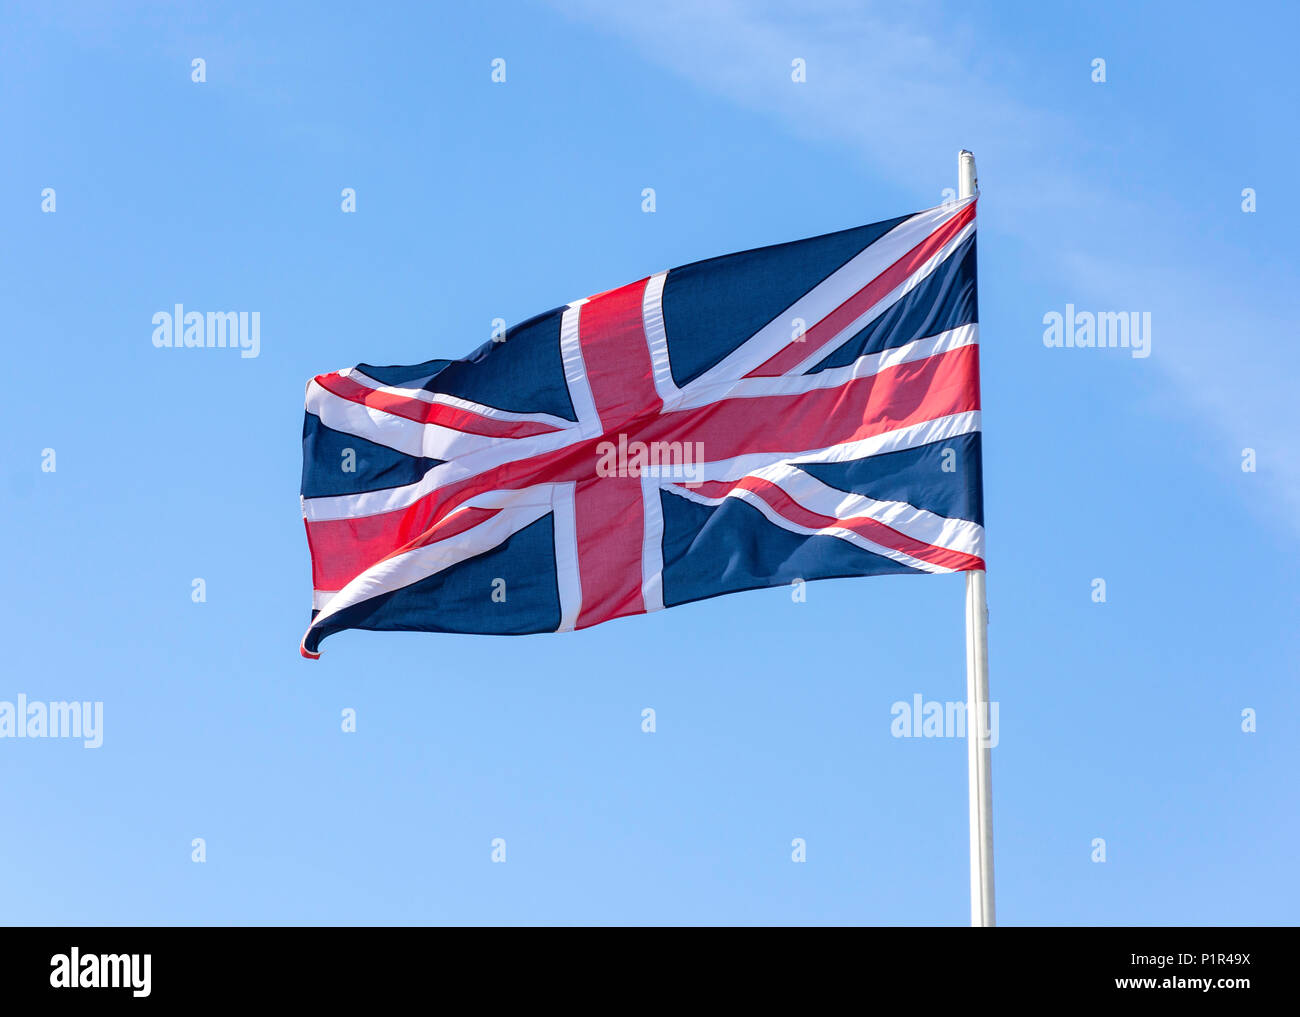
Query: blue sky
x=1119 y=720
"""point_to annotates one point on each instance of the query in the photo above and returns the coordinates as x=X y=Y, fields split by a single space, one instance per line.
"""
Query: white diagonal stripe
x=886 y=302
x=772 y=515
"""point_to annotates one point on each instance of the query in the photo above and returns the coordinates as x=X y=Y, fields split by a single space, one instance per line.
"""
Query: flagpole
x=978 y=751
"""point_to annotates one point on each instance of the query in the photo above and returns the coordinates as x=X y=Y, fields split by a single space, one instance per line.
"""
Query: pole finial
x=967 y=182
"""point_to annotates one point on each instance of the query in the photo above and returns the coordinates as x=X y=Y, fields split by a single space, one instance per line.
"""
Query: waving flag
x=803 y=411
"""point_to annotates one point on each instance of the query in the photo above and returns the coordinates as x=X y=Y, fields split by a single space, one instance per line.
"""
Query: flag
x=803 y=411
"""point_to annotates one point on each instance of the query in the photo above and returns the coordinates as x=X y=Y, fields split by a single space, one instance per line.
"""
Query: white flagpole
x=978 y=752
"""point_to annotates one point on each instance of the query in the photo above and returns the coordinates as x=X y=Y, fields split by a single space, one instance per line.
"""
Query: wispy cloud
x=884 y=84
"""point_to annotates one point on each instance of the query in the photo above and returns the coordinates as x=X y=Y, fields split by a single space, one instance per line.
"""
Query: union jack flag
x=803 y=411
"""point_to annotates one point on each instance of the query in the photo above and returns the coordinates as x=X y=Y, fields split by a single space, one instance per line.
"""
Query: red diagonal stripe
x=452 y=417
x=873 y=529
x=794 y=354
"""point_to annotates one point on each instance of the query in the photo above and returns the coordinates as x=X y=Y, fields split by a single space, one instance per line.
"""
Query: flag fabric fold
x=797 y=412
